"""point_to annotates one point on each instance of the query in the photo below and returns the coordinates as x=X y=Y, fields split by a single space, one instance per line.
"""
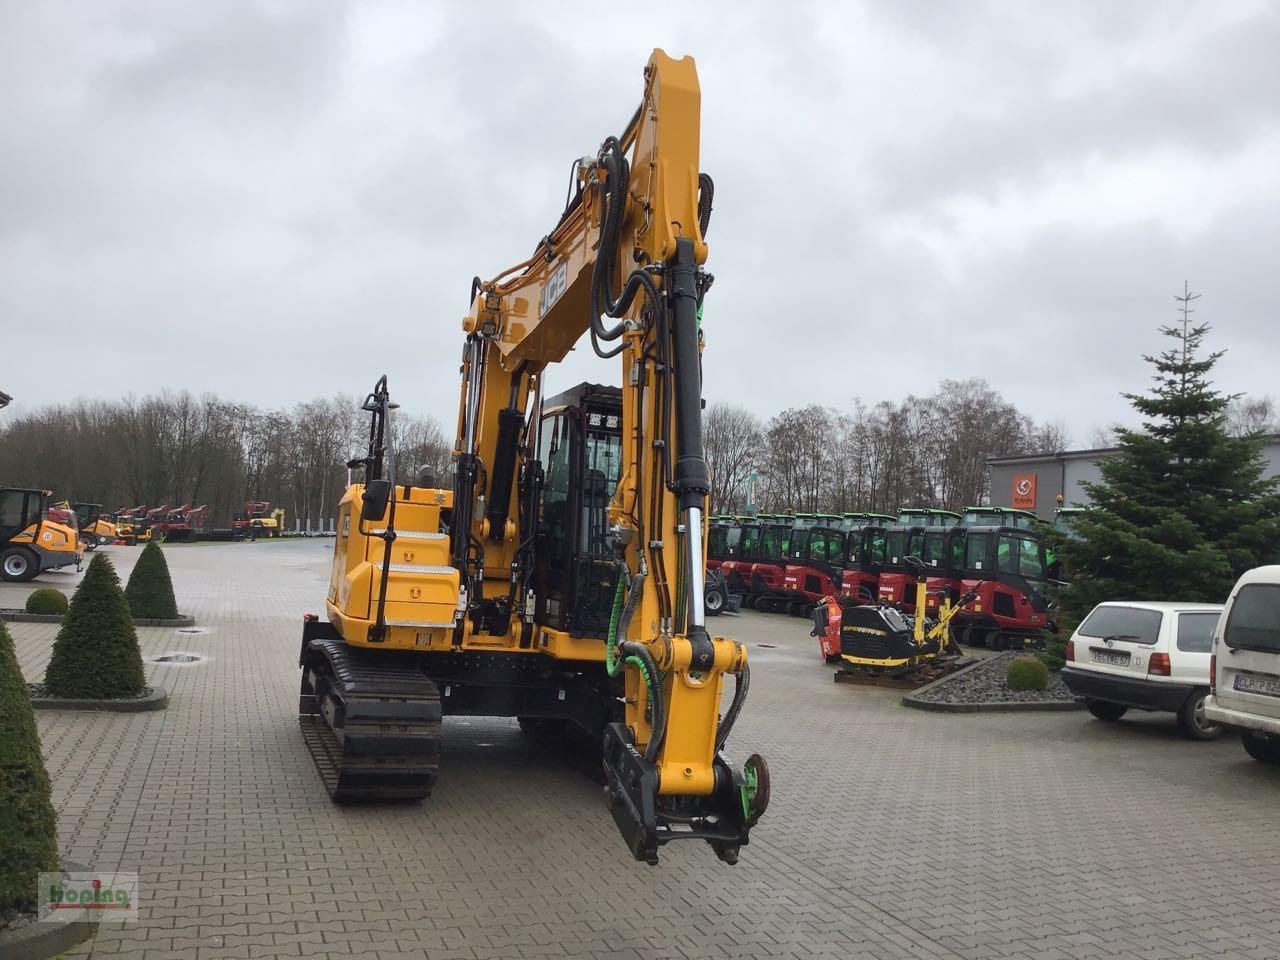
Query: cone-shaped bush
x=47 y=601
x=28 y=828
x=95 y=655
x=150 y=591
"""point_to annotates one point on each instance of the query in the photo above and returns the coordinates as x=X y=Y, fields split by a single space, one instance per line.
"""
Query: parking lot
x=892 y=833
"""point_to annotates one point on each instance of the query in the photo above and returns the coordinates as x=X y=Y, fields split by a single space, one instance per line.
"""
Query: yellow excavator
x=560 y=580
x=31 y=542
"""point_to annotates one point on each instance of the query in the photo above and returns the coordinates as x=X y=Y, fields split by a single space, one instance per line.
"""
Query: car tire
x=1262 y=749
x=715 y=601
x=1106 y=710
x=1193 y=721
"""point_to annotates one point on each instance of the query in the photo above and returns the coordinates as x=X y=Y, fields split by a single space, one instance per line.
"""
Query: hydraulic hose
x=637 y=655
x=741 y=683
x=706 y=192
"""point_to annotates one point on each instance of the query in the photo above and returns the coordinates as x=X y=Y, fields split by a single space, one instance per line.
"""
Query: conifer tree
x=28 y=828
x=1183 y=508
x=95 y=654
x=150 y=589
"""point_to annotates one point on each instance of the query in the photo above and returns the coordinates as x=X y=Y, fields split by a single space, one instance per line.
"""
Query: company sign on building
x=1024 y=491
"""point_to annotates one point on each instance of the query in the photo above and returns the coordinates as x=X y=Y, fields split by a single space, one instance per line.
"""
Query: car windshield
x=1195 y=632
x=1133 y=624
x=1254 y=622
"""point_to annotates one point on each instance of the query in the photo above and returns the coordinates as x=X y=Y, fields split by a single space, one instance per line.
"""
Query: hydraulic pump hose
x=620 y=618
x=741 y=683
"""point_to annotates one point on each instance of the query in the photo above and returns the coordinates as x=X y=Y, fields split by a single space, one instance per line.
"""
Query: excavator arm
x=624 y=265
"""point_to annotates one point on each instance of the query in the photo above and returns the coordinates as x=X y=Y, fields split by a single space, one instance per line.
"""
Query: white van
x=1246 y=664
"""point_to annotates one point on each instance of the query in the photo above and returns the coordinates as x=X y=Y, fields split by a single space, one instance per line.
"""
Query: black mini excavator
x=560 y=579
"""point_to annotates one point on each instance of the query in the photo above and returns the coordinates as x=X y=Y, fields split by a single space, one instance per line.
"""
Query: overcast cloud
x=279 y=200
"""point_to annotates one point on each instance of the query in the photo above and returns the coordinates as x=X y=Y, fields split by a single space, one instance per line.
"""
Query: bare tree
x=1102 y=437
x=1250 y=416
x=732 y=436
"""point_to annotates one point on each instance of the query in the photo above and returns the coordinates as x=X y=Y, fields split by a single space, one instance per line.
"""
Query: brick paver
x=892 y=833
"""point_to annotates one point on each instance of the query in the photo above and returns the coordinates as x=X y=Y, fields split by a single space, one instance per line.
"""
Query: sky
x=275 y=201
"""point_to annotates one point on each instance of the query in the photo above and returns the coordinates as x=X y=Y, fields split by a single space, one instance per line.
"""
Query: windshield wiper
x=1122 y=636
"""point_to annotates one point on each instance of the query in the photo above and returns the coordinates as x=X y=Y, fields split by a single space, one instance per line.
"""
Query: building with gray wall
x=1034 y=483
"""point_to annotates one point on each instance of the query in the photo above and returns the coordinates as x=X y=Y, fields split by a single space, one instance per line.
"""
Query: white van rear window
x=1133 y=624
x=1254 y=621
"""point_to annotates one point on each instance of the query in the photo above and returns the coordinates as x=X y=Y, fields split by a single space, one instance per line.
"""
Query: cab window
x=1021 y=556
x=975 y=551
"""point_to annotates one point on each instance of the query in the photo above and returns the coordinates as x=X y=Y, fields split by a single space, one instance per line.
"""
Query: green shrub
x=28 y=828
x=47 y=601
x=96 y=654
x=150 y=591
x=1026 y=673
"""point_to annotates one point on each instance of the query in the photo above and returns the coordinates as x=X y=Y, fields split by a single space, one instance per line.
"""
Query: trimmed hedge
x=28 y=827
x=95 y=655
x=1026 y=673
x=150 y=591
x=47 y=601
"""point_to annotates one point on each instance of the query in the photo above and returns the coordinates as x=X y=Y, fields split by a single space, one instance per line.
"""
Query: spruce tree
x=1182 y=509
x=28 y=827
x=95 y=655
x=150 y=590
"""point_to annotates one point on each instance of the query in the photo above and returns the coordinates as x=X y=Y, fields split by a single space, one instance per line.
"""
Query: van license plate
x=1266 y=685
x=1111 y=657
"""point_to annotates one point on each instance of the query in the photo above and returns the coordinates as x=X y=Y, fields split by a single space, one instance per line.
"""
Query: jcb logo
x=554 y=288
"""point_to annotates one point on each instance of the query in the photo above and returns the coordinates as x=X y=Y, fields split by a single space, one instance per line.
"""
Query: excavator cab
x=1007 y=569
x=942 y=551
x=864 y=556
x=897 y=576
x=739 y=554
x=581 y=454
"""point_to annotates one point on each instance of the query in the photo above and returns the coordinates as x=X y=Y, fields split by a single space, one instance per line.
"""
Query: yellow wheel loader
x=560 y=580
x=31 y=543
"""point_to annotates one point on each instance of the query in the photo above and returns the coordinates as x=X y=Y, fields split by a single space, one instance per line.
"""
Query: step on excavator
x=560 y=580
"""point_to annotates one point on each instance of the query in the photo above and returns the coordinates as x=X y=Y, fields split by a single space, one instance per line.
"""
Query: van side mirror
x=374 y=499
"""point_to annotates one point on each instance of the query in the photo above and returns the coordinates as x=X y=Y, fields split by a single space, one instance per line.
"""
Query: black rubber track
x=371 y=722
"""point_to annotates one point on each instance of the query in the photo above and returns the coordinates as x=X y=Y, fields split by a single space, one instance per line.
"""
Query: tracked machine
x=560 y=580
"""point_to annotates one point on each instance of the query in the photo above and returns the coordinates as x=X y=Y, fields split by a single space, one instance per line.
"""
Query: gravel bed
x=985 y=684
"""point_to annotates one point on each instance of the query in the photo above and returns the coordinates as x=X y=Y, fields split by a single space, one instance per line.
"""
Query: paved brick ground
x=892 y=833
